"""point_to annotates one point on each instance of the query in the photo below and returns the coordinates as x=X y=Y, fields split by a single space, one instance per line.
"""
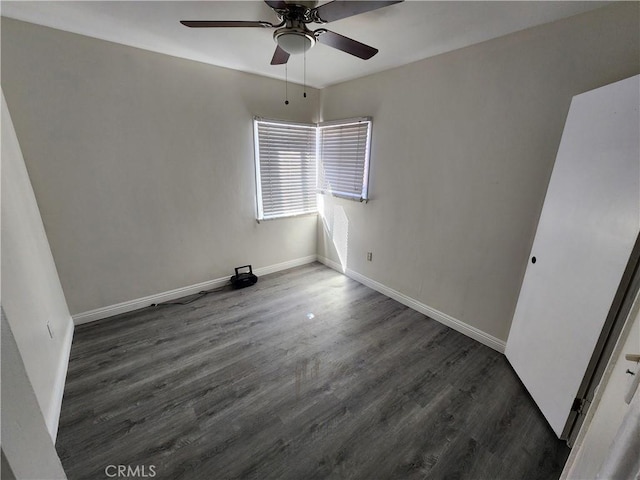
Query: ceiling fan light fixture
x=294 y=41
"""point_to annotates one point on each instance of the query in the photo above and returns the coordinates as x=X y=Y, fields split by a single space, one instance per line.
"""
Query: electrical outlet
x=369 y=256
x=49 y=328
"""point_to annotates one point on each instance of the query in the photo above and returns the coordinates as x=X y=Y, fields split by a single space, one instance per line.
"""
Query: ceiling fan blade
x=280 y=57
x=345 y=44
x=224 y=23
x=332 y=11
x=279 y=4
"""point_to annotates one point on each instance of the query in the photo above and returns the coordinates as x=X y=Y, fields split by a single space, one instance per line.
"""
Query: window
x=285 y=168
x=343 y=157
x=295 y=161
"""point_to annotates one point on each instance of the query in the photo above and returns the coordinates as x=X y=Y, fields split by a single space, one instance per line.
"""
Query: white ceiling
x=403 y=33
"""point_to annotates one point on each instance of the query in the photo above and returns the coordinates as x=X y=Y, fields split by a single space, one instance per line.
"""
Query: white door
x=587 y=229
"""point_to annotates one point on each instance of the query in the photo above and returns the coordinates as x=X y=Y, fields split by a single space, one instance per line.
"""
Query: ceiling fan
x=292 y=35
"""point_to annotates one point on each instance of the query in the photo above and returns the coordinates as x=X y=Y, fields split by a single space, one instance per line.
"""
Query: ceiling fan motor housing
x=295 y=37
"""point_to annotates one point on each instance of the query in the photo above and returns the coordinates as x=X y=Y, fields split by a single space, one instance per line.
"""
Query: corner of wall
x=43 y=329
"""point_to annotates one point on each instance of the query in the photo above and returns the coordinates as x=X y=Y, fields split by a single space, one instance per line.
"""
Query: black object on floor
x=244 y=279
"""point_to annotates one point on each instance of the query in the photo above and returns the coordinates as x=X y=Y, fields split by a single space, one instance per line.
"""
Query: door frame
x=614 y=325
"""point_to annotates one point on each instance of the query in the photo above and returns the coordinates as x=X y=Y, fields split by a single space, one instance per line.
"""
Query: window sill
x=345 y=197
x=284 y=217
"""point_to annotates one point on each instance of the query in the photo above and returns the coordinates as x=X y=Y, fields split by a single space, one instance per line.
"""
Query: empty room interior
x=333 y=239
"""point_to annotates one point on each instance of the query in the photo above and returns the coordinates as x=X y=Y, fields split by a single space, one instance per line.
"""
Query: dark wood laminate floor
x=308 y=374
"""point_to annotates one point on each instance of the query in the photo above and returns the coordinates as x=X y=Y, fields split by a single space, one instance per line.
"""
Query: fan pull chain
x=304 y=76
x=286 y=84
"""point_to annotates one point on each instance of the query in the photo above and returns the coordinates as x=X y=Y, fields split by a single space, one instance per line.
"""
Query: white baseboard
x=61 y=376
x=331 y=264
x=475 y=333
x=286 y=265
x=449 y=321
x=129 y=306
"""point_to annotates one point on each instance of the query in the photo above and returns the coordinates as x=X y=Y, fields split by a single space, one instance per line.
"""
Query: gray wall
x=463 y=148
x=142 y=164
x=31 y=293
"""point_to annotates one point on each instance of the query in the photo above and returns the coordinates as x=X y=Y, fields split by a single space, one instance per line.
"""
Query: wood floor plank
x=307 y=374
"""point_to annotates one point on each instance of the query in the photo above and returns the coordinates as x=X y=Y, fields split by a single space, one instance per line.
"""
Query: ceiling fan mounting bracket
x=315 y=17
x=296 y=13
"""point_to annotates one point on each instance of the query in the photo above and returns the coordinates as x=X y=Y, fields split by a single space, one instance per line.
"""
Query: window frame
x=315 y=152
x=260 y=204
x=363 y=194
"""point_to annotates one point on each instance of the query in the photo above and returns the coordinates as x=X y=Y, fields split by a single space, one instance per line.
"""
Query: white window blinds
x=343 y=157
x=285 y=168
